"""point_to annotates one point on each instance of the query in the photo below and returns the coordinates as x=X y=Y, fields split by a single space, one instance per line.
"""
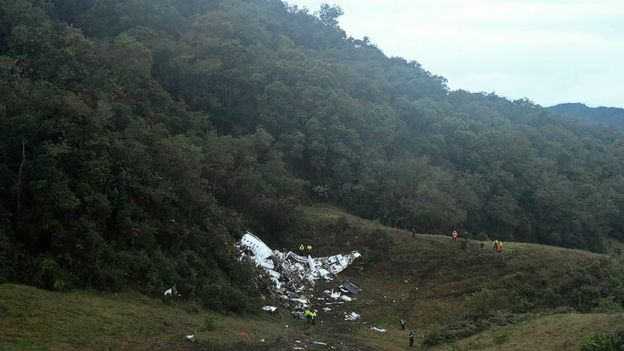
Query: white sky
x=549 y=51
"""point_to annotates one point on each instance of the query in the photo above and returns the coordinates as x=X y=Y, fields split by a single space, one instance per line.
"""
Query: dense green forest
x=608 y=116
x=139 y=139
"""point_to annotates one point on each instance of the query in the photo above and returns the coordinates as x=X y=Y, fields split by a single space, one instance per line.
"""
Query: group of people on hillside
x=411 y=334
x=304 y=248
x=498 y=245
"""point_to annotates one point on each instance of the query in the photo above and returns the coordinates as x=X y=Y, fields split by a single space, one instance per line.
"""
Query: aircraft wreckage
x=291 y=274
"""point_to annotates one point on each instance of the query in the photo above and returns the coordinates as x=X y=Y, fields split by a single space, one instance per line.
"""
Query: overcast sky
x=549 y=51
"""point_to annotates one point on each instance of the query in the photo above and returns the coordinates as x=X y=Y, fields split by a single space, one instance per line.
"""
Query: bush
x=6 y=253
x=501 y=337
x=51 y=276
x=377 y=245
x=480 y=303
x=226 y=298
x=608 y=305
x=210 y=322
x=434 y=336
x=603 y=343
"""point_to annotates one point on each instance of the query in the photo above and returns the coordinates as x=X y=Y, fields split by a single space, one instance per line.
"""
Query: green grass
x=549 y=333
x=424 y=279
x=34 y=319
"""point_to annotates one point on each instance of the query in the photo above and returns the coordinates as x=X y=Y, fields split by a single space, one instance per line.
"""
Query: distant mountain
x=597 y=115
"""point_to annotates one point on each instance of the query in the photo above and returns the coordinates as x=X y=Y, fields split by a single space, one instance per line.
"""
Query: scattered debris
x=318 y=343
x=348 y=287
x=381 y=330
x=332 y=294
x=290 y=274
x=269 y=308
x=298 y=313
x=326 y=309
x=172 y=292
x=346 y=298
x=352 y=316
x=242 y=334
x=190 y=338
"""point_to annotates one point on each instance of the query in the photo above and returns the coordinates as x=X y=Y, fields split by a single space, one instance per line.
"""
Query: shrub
x=501 y=337
x=210 y=322
x=603 y=343
x=481 y=302
x=377 y=245
x=434 y=336
x=226 y=298
x=51 y=276
x=608 y=305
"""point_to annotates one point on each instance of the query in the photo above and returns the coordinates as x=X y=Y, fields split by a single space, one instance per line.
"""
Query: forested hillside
x=138 y=139
x=608 y=116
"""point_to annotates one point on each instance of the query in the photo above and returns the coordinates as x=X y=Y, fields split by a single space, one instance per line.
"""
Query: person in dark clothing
x=402 y=324
x=411 y=339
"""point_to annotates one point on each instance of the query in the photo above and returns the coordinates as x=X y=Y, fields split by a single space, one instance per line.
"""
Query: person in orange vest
x=454 y=235
x=498 y=247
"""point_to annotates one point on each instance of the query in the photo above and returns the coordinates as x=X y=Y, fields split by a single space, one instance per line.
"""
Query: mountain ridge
x=608 y=116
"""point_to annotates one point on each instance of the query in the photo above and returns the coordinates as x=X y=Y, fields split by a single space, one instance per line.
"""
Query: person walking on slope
x=454 y=235
x=498 y=248
x=402 y=324
x=411 y=339
x=464 y=242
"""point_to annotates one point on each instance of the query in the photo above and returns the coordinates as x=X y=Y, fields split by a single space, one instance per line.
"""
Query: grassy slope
x=549 y=333
x=424 y=279
x=32 y=319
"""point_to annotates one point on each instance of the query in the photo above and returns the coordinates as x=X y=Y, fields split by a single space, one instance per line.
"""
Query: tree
x=329 y=14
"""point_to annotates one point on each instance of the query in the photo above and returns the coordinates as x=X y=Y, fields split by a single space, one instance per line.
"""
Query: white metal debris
x=332 y=294
x=292 y=274
x=346 y=298
x=352 y=316
x=381 y=330
x=269 y=308
x=190 y=338
x=172 y=292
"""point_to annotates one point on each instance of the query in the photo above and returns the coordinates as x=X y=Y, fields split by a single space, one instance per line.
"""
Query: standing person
x=454 y=235
x=313 y=317
x=411 y=339
x=309 y=248
x=308 y=315
x=464 y=243
x=498 y=247
x=402 y=324
x=301 y=248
